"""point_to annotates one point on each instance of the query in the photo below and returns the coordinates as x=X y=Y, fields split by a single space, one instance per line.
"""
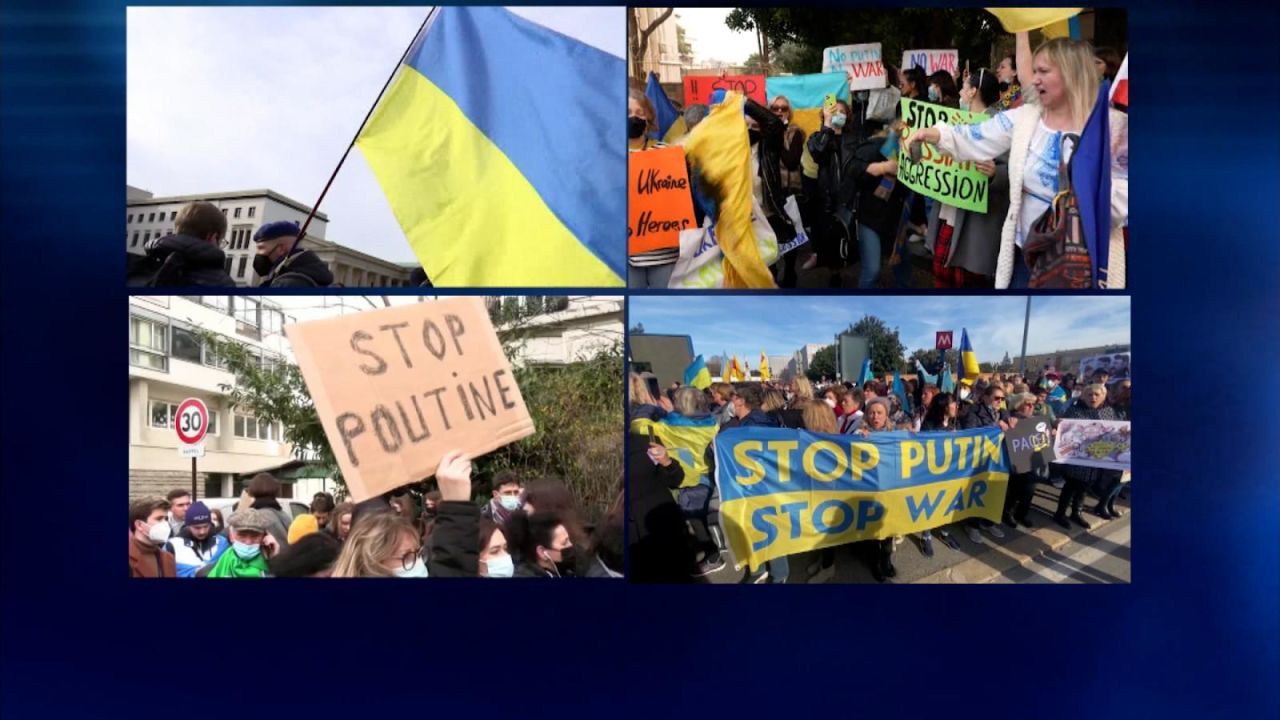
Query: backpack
x=1055 y=249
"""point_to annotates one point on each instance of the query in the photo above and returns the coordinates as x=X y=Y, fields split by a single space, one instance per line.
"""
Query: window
x=213 y=423
x=213 y=359
x=172 y=216
x=151 y=218
x=221 y=303
x=146 y=238
x=213 y=485
x=130 y=219
x=226 y=264
x=272 y=320
x=248 y=427
x=236 y=214
x=244 y=259
x=557 y=303
x=186 y=345
x=136 y=234
x=224 y=211
x=533 y=304
x=148 y=343
x=162 y=414
x=246 y=310
x=251 y=209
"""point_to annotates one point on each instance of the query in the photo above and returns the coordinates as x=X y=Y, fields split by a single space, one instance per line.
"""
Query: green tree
x=639 y=40
x=683 y=47
x=796 y=58
x=986 y=367
x=823 y=364
x=753 y=64
x=886 y=347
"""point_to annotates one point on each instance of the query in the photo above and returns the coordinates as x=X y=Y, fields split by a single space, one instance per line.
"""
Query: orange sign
x=660 y=203
x=397 y=389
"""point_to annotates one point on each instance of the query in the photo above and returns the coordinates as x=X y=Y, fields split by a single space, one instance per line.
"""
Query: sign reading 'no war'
x=397 y=389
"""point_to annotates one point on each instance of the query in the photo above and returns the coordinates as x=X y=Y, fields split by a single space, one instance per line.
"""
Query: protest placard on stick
x=660 y=204
x=862 y=62
x=396 y=389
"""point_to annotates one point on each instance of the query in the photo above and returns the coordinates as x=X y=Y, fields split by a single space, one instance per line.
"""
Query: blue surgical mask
x=500 y=567
x=510 y=502
x=419 y=570
x=838 y=120
x=246 y=551
x=933 y=93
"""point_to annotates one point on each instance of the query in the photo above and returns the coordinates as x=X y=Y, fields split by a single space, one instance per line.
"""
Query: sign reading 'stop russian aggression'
x=939 y=176
x=790 y=491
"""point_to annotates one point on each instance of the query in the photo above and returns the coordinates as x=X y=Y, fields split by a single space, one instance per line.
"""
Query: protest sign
x=700 y=265
x=1117 y=364
x=940 y=176
x=931 y=61
x=1093 y=443
x=788 y=491
x=698 y=88
x=861 y=62
x=659 y=202
x=1029 y=444
x=397 y=389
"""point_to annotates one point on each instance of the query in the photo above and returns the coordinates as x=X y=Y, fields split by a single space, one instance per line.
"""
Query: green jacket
x=230 y=565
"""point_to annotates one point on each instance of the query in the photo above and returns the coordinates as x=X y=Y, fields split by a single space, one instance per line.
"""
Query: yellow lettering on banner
x=783 y=448
x=865 y=456
x=934 y=466
x=842 y=464
x=912 y=456
x=963 y=444
x=990 y=450
x=742 y=458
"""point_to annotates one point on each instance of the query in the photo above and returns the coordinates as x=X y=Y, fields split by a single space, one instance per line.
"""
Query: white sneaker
x=973 y=534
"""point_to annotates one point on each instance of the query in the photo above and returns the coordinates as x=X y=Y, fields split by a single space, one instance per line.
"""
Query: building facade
x=149 y=217
x=558 y=329
x=803 y=357
x=662 y=54
x=169 y=362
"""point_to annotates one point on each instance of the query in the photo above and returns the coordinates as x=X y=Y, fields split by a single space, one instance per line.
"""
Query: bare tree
x=640 y=39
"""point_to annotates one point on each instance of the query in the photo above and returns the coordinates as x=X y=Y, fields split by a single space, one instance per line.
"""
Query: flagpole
x=1026 y=322
x=316 y=207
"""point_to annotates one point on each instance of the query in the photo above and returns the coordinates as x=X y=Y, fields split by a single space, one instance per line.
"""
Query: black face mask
x=568 y=558
x=753 y=136
x=262 y=265
x=636 y=127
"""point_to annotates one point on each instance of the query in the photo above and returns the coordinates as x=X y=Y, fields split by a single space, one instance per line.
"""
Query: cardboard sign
x=397 y=389
x=1029 y=444
x=862 y=62
x=1117 y=364
x=931 y=61
x=660 y=204
x=698 y=88
x=939 y=176
x=1093 y=443
x=943 y=341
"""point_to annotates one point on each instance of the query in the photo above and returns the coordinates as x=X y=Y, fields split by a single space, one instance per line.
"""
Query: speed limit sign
x=191 y=421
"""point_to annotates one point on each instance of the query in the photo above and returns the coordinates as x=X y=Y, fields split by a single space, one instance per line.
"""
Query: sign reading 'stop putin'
x=397 y=389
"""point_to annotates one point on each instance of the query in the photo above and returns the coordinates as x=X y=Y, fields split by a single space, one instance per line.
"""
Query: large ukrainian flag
x=500 y=147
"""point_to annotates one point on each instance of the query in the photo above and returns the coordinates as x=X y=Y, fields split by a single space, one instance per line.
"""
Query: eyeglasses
x=409 y=559
x=780 y=108
x=997 y=398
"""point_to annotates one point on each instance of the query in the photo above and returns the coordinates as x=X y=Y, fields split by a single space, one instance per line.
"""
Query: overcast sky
x=782 y=324
x=234 y=98
x=711 y=39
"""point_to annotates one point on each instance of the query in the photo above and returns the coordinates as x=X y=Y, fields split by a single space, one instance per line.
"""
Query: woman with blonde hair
x=1064 y=91
x=819 y=418
x=381 y=545
x=803 y=390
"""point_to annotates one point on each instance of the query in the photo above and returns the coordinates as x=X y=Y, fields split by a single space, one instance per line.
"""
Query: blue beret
x=277 y=229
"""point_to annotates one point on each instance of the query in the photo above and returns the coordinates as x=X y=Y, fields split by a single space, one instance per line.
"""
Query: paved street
x=1044 y=553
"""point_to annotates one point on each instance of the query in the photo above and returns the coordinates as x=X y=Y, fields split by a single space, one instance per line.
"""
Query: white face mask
x=830 y=403
x=419 y=570
x=159 y=533
x=509 y=502
x=500 y=566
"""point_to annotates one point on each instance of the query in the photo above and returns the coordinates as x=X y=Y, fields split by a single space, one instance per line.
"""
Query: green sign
x=939 y=176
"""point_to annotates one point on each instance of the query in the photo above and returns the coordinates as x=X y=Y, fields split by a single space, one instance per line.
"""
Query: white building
x=804 y=357
x=662 y=54
x=558 y=329
x=168 y=363
x=149 y=217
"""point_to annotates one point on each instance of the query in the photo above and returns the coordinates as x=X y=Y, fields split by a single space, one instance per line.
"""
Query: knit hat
x=250 y=519
x=302 y=526
x=198 y=514
x=277 y=229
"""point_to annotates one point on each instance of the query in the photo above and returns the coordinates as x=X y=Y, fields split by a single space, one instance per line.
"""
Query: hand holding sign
x=397 y=389
x=453 y=475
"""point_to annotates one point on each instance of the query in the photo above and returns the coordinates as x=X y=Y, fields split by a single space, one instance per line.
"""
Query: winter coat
x=150 y=562
x=975 y=239
x=659 y=544
x=455 y=542
x=302 y=269
x=772 y=132
x=179 y=261
x=191 y=554
x=979 y=416
x=279 y=525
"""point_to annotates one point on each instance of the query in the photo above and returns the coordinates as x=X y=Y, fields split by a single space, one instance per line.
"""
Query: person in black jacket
x=282 y=263
x=661 y=550
x=191 y=257
x=546 y=551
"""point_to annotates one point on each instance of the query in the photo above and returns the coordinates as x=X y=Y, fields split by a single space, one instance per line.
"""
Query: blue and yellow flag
x=947 y=383
x=670 y=121
x=900 y=391
x=866 y=375
x=1053 y=20
x=764 y=366
x=967 y=368
x=498 y=156
x=806 y=93
x=697 y=375
x=686 y=440
x=785 y=491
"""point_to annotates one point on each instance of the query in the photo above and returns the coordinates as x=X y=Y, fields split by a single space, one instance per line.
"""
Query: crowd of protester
x=526 y=528
x=674 y=537
x=856 y=212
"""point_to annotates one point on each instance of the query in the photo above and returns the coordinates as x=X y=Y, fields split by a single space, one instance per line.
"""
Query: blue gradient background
x=1195 y=635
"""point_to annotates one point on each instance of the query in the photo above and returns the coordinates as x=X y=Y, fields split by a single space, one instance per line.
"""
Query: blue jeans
x=1021 y=273
x=869 y=254
x=778 y=568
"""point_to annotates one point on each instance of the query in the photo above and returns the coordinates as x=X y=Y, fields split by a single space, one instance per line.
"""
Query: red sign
x=191 y=421
x=698 y=88
x=944 y=340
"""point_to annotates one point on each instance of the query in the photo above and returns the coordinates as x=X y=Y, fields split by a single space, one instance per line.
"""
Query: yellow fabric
x=675 y=132
x=718 y=147
x=302 y=526
x=686 y=444
x=1062 y=28
x=764 y=366
x=469 y=214
x=1016 y=20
